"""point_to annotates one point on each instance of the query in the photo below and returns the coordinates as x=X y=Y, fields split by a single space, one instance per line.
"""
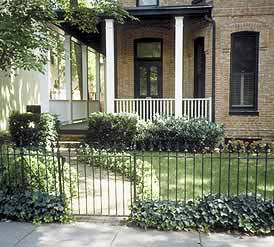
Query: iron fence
x=100 y=182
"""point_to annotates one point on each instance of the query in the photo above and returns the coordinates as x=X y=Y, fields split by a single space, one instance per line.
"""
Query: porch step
x=71 y=138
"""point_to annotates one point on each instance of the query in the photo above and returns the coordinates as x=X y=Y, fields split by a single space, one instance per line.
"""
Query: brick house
x=193 y=58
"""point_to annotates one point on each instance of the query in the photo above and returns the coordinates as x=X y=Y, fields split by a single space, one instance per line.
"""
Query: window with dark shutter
x=244 y=71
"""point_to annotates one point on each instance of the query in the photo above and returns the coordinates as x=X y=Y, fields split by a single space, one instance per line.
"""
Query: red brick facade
x=230 y=17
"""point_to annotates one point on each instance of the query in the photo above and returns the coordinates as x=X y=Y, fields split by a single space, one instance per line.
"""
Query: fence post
x=59 y=158
x=22 y=163
x=134 y=173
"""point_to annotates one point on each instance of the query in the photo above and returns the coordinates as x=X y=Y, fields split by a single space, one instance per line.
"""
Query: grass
x=189 y=176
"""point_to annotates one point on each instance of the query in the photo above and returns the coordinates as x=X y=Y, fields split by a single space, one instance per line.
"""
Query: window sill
x=244 y=112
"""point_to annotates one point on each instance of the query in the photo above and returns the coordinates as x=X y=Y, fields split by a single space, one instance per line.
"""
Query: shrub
x=36 y=207
x=35 y=171
x=122 y=163
x=239 y=213
x=178 y=133
x=106 y=130
x=33 y=129
x=4 y=136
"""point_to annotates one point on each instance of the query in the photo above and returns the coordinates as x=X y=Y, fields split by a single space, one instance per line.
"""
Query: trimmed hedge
x=120 y=131
x=243 y=213
x=33 y=129
x=35 y=207
x=179 y=133
x=106 y=130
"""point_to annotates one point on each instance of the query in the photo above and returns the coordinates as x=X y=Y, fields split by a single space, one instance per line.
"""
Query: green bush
x=122 y=163
x=106 y=130
x=178 y=133
x=33 y=129
x=4 y=136
x=243 y=213
x=36 y=207
x=35 y=171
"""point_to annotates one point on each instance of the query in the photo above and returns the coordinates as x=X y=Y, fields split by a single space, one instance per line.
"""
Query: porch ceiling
x=169 y=11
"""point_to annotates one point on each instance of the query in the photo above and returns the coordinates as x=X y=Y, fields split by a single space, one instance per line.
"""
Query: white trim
x=110 y=66
x=179 y=64
x=85 y=71
x=98 y=86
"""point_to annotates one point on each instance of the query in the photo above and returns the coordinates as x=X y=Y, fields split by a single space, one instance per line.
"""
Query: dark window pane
x=143 y=81
x=149 y=50
x=244 y=69
x=154 y=79
x=147 y=2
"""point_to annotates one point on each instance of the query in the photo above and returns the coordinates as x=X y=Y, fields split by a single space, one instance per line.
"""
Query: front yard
x=185 y=176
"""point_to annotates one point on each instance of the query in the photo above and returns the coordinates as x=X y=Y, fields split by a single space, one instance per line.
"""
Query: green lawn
x=191 y=177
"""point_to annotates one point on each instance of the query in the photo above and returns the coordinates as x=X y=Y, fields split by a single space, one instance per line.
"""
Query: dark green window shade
x=244 y=71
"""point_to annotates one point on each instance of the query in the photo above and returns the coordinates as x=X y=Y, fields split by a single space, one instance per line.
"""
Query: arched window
x=244 y=71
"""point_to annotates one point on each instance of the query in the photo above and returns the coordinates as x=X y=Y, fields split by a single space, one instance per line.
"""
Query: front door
x=148 y=79
x=148 y=68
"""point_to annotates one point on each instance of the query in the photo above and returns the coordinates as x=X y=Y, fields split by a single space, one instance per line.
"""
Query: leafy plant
x=243 y=213
x=110 y=131
x=25 y=27
x=33 y=129
x=36 y=207
x=4 y=136
x=35 y=170
x=179 y=133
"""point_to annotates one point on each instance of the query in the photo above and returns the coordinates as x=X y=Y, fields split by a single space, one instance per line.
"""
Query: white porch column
x=179 y=64
x=85 y=76
x=98 y=88
x=68 y=77
x=85 y=71
x=110 y=67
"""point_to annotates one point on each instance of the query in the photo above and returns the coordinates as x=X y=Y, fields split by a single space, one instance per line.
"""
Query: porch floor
x=78 y=128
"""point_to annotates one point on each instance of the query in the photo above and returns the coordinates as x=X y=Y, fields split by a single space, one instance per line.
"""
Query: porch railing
x=198 y=108
x=80 y=109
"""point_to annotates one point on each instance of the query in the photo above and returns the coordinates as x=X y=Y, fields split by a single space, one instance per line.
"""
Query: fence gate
x=99 y=183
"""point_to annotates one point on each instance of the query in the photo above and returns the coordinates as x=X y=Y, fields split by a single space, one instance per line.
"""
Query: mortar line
x=24 y=237
x=200 y=239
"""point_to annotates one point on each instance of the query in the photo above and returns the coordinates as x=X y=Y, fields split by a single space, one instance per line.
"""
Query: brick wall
x=248 y=15
x=230 y=16
x=126 y=34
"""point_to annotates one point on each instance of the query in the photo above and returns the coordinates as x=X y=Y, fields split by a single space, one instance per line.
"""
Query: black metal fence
x=99 y=182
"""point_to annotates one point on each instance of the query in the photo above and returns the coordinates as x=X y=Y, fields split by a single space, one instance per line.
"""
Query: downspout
x=212 y=21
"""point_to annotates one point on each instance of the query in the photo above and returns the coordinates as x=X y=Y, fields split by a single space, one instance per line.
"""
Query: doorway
x=199 y=67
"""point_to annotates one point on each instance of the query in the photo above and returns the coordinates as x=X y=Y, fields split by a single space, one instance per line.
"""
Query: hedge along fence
x=243 y=213
x=33 y=129
x=122 y=130
x=36 y=185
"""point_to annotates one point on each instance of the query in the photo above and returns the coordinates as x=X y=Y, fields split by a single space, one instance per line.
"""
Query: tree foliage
x=25 y=36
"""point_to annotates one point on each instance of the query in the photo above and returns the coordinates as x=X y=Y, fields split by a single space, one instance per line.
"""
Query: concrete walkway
x=106 y=235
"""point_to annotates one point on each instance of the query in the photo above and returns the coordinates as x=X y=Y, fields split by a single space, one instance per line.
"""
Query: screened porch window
x=147 y=2
x=58 y=88
x=244 y=71
x=76 y=71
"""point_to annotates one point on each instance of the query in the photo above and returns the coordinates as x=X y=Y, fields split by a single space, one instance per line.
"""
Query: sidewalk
x=105 y=235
